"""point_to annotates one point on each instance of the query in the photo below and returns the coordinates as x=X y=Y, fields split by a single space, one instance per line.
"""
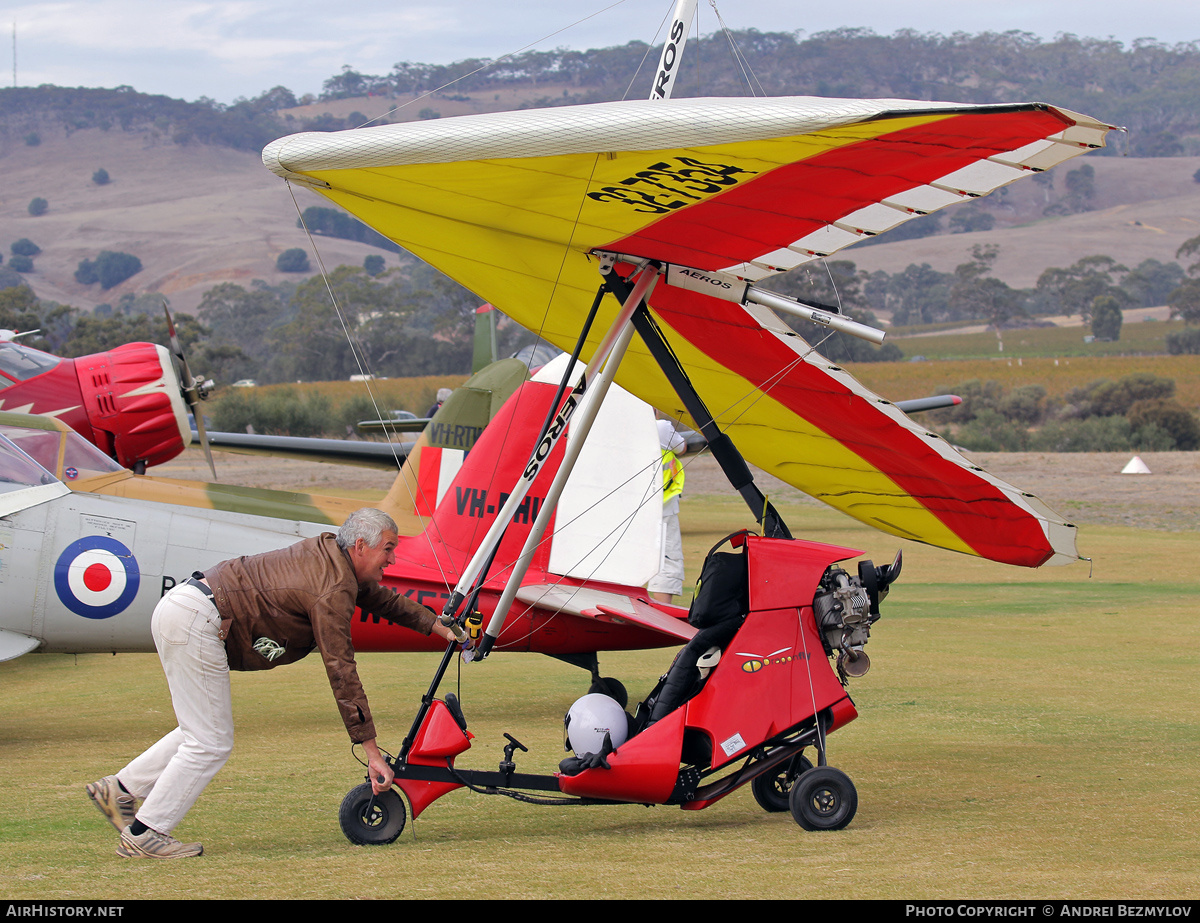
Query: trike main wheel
x=771 y=789
x=823 y=799
x=382 y=824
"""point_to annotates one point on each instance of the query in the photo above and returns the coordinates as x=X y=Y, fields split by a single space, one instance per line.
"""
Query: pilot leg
x=668 y=582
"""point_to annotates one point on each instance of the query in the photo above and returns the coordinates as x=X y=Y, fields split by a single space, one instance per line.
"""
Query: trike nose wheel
x=382 y=824
x=771 y=790
x=823 y=799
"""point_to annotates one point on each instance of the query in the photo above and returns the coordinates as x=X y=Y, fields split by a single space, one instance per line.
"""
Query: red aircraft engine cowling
x=126 y=400
x=132 y=398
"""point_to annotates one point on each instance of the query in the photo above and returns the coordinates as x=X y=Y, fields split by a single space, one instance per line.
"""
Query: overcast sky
x=224 y=49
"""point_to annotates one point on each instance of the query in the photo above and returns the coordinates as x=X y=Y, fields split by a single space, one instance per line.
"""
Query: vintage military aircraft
x=457 y=425
x=129 y=402
x=87 y=547
x=133 y=403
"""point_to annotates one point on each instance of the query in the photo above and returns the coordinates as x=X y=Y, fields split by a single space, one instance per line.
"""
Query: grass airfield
x=1021 y=735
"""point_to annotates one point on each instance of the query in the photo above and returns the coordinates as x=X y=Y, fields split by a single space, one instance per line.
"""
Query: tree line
x=1138 y=412
x=405 y=321
x=1150 y=87
x=412 y=320
x=1096 y=289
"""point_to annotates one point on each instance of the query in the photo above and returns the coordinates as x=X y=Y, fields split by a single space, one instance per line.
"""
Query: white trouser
x=171 y=775
x=669 y=578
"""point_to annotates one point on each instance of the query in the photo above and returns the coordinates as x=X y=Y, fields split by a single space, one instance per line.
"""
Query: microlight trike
x=741 y=703
x=688 y=209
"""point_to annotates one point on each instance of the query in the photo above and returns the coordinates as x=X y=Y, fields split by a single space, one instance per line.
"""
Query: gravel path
x=1085 y=487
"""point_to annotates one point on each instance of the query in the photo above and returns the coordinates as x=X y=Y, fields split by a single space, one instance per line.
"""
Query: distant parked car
x=403 y=421
x=245 y=383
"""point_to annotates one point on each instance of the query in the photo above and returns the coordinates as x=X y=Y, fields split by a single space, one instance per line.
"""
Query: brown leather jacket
x=286 y=603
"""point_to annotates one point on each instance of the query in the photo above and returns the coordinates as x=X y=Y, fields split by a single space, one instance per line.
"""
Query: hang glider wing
x=513 y=205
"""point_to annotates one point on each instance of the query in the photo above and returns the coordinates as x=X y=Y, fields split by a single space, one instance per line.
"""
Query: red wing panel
x=974 y=509
x=781 y=206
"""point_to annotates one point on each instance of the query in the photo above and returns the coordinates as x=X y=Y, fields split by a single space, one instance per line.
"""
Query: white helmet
x=590 y=718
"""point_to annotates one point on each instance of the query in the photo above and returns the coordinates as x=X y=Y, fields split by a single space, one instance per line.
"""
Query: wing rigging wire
x=566 y=252
x=652 y=493
x=837 y=296
x=753 y=395
x=738 y=58
x=649 y=48
x=489 y=64
x=812 y=692
x=363 y=366
x=364 y=369
x=623 y=526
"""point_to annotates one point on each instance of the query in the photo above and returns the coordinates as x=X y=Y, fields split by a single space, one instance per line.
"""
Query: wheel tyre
x=823 y=799
x=771 y=790
x=385 y=823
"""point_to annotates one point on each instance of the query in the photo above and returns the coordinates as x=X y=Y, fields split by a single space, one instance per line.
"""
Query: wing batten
x=803 y=209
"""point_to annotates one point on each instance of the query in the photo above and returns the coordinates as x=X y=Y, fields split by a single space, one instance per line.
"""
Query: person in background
x=668 y=582
x=442 y=395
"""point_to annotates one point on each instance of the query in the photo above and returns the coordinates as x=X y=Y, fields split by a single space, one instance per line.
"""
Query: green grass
x=1021 y=734
x=1145 y=338
x=415 y=394
x=904 y=380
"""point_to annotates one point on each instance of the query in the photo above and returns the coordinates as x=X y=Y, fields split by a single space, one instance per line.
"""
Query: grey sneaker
x=155 y=845
x=118 y=806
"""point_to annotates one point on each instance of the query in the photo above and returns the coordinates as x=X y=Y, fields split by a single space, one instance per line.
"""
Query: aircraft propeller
x=7 y=335
x=193 y=388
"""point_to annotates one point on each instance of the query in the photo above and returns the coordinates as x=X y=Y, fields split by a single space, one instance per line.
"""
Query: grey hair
x=368 y=524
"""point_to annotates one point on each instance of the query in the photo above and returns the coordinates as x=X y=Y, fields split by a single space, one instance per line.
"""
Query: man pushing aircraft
x=254 y=613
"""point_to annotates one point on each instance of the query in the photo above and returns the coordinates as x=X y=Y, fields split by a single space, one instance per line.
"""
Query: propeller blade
x=199 y=418
x=194 y=389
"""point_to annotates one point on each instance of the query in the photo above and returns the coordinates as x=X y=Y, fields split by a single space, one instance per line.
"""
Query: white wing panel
x=609 y=520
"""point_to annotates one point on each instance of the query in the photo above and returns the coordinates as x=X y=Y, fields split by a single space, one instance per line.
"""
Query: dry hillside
x=194 y=215
x=1144 y=209
x=197 y=215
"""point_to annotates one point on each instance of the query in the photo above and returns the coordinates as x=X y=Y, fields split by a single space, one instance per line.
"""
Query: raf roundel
x=96 y=577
